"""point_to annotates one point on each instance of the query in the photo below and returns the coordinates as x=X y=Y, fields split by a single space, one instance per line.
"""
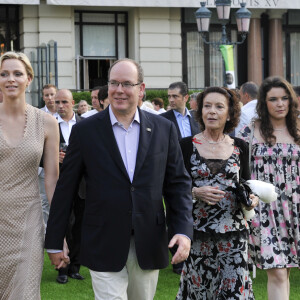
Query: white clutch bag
x=264 y=190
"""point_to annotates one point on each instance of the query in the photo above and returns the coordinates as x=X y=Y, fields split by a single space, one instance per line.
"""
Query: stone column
x=275 y=42
x=254 y=48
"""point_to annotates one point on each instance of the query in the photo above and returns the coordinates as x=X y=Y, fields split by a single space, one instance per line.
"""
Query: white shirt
x=162 y=110
x=55 y=115
x=89 y=113
x=66 y=127
x=148 y=109
x=248 y=112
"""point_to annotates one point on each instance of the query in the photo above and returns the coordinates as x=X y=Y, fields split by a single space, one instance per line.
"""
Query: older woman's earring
x=228 y=119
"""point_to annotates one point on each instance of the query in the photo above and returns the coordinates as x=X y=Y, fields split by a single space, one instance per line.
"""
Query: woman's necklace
x=279 y=129
x=213 y=143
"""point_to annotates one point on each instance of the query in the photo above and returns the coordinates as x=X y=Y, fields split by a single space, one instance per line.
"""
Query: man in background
x=67 y=119
x=158 y=104
x=248 y=96
x=193 y=104
x=82 y=107
x=95 y=103
x=48 y=93
x=179 y=114
x=185 y=126
x=103 y=97
x=146 y=105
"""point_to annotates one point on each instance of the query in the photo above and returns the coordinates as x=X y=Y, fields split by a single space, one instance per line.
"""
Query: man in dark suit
x=179 y=114
x=185 y=125
x=130 y=159
x=66 y=119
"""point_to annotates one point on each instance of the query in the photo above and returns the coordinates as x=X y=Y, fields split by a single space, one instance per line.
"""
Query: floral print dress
x=275 y=240
x=217 y=266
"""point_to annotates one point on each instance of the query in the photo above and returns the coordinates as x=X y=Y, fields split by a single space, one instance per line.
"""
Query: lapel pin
x=148 y=129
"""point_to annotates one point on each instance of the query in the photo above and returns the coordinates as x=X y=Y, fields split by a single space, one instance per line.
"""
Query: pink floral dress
x=274 y=240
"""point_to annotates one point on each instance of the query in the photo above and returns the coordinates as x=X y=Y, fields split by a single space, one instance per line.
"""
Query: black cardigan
x=187 y=150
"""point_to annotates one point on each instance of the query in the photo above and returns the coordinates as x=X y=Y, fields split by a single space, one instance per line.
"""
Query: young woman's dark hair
x=233 y=106
x=266 y=128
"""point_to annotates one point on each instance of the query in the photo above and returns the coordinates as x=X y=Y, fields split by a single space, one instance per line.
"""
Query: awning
x=31 y=2
x=259 y=4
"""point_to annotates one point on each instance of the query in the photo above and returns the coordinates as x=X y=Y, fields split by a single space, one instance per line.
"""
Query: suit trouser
x=44 y=199
x=131 y=283
x=172 y=250
x=73 y=236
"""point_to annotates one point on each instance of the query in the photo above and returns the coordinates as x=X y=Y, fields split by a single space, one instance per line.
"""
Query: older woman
x=275 y=143
x=217 y=265
x=25 y=133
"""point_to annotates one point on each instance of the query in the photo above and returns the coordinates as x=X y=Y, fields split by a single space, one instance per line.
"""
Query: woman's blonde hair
x=21 y=57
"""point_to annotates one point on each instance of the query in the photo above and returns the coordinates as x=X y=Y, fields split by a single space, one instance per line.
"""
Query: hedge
x=77 y=96
x=151 y=94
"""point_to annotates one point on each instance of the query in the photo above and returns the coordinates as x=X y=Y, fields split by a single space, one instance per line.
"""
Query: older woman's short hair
x=233 y=107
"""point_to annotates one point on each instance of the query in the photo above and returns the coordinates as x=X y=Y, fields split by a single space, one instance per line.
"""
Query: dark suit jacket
x=61 y=137
x=81 y=189
x=195 y=128
x=114 y=205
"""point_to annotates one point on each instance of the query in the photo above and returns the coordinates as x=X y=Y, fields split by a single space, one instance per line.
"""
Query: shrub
x=77 y=96
x=151 y=94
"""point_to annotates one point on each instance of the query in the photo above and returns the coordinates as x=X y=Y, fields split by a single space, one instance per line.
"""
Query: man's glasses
x=126 y=85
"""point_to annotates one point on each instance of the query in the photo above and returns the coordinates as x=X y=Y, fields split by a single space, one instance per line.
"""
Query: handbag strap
x=250 y=140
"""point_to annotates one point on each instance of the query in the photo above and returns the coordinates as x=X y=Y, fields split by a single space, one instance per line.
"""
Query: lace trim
x=216 y=236
x=215 y=166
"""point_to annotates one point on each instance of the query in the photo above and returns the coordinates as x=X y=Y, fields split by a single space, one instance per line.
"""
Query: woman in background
x=275 y=158
x=25 y=134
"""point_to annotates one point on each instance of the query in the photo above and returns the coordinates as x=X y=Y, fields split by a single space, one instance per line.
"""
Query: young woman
x=274 y=137
x=25 y=134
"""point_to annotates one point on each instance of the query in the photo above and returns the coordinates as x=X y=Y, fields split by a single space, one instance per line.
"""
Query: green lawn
x=166 y=290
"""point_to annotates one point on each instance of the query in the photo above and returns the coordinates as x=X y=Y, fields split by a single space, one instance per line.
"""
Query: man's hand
x=184 y=246
x=59 y=260
x=61 y=156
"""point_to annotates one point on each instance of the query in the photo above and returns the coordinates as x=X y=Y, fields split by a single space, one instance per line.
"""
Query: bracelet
x=193 y=194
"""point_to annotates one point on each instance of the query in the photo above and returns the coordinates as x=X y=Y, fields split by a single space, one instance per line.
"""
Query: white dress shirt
x=161 y=110
x=66 y=127
x=55 y=115
x=89 y=113
x=248 y=112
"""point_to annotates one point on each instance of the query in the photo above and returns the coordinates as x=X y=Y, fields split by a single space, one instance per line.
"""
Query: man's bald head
x=64 y=104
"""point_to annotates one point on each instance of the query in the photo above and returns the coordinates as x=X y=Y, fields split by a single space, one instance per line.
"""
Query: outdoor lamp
x=243 y=16
x=203 y=16
x=223 y=9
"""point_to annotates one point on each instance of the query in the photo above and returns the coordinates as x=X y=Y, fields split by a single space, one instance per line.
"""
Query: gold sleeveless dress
x=21 y=220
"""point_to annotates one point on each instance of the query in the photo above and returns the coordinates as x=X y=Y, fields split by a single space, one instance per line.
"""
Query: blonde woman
x=25 y=134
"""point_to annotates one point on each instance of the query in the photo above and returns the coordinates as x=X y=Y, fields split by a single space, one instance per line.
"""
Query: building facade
x=160 y=34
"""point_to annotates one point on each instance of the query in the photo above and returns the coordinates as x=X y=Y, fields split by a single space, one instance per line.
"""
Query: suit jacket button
x=132 y=189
